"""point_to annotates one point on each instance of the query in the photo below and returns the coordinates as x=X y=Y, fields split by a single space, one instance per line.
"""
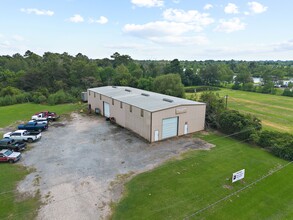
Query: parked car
x=23 y=135
x=11 y=144
x=51 y=116
x=33 y=126
x=9 y=156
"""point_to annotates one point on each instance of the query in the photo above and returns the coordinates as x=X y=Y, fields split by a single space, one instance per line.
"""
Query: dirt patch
x=81 y=167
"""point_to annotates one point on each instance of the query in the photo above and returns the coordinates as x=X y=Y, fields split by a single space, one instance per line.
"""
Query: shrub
x=280 y=144
x=245 y=127
x=201 y=89
x=60 y=97
x=288 y=92
x=248 y=87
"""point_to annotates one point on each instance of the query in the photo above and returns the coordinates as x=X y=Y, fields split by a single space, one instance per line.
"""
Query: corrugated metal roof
x=137 y=97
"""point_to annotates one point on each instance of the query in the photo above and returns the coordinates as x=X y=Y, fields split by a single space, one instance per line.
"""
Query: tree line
x=55 y=78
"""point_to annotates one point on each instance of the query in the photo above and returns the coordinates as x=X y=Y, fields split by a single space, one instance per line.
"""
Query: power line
x=238 y=191
x=161 y=167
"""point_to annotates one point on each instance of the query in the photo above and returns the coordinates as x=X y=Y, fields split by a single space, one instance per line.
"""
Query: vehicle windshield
x=8 y=152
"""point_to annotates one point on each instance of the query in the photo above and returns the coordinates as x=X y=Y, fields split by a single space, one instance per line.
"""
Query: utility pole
x=226 y=97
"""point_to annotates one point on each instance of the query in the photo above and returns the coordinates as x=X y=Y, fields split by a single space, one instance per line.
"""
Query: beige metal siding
x=137 y=123
x=193 y=115
x=130 y=120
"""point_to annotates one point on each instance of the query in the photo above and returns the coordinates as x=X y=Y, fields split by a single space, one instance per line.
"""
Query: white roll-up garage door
x=106 y=109
x=170 y=127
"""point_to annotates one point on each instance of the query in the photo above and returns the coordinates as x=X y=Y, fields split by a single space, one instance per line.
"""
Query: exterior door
x=186 y=128
x=156 y=135
x=170 y=127
x=106 y=110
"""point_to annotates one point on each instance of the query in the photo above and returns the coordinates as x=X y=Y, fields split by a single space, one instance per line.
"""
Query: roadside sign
x=238 y=175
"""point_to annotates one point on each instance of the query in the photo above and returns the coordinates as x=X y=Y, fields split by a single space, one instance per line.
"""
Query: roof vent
x=145 y=94
x=127 y=90
x=167 y=100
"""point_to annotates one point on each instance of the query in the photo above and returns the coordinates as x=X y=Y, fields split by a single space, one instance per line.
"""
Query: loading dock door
x=106 y=110
x=170 y=127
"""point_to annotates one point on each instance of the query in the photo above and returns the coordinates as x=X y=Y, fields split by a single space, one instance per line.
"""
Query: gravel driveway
x=79 y=165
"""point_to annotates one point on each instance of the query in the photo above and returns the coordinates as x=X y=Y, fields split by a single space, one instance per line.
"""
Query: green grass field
x=12 y=204
x=11 y=114
x=276 y=112
x=180 y=188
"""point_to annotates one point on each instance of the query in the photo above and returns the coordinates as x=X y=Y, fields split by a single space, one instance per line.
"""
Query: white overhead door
x=170 y=127
x=106 y=109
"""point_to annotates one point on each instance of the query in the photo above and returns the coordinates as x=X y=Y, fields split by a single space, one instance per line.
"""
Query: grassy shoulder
x=275 y=112
x=10 y=114
x=12 y=204
x=180 y=188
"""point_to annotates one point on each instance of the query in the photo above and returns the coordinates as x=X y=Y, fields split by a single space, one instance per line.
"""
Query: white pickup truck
x=40 y=122
x=23 y=135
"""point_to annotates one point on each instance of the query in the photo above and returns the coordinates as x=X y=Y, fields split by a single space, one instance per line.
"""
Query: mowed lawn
x=181 y=188
x=12 y=204
x=276 y=112
x=12 y=113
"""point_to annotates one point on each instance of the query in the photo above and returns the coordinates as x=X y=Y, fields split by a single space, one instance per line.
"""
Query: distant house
x=151 y=115
x=257 y=80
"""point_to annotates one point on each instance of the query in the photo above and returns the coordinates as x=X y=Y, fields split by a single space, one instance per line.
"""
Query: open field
x=12 y=113
x=180 y=188
x=275 y=112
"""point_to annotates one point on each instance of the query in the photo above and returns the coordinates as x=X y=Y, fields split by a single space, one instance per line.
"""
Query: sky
x=149 y=29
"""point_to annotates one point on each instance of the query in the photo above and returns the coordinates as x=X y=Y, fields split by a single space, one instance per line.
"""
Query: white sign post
x=238 y=175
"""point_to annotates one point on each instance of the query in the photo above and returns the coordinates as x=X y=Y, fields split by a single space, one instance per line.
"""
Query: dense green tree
x=210 y=74
x=145 y=83
x=120 y=59
x=215 y=105
x=243 y=74
x=169 y=84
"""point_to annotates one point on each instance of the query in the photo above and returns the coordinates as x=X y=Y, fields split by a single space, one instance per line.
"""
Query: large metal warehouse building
x=151 y=115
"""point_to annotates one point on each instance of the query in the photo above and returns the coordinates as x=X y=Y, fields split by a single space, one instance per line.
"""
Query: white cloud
x=101 y=20
x=37 y=11
x=231 y=9
x=165 y=32
x=176 y=1
x=208 y=6
x=76 y=18
x=256 y=7
x=179 y=27
x=283 y=46
x=17 y=38
x=181 y=40
x=148 y=3
x=158 y=28
x=5 y=44
x=192 y=17
x=230 y=25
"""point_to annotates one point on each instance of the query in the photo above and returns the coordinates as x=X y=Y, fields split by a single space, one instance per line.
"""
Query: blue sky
x=149 y=29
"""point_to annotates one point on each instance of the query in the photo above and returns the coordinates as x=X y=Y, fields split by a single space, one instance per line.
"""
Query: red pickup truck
x=9 y=156
x=45 y=115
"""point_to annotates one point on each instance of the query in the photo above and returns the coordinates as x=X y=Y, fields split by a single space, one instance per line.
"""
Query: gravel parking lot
x=80 y=165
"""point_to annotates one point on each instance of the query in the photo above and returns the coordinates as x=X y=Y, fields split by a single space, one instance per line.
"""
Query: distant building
x=151 y=115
